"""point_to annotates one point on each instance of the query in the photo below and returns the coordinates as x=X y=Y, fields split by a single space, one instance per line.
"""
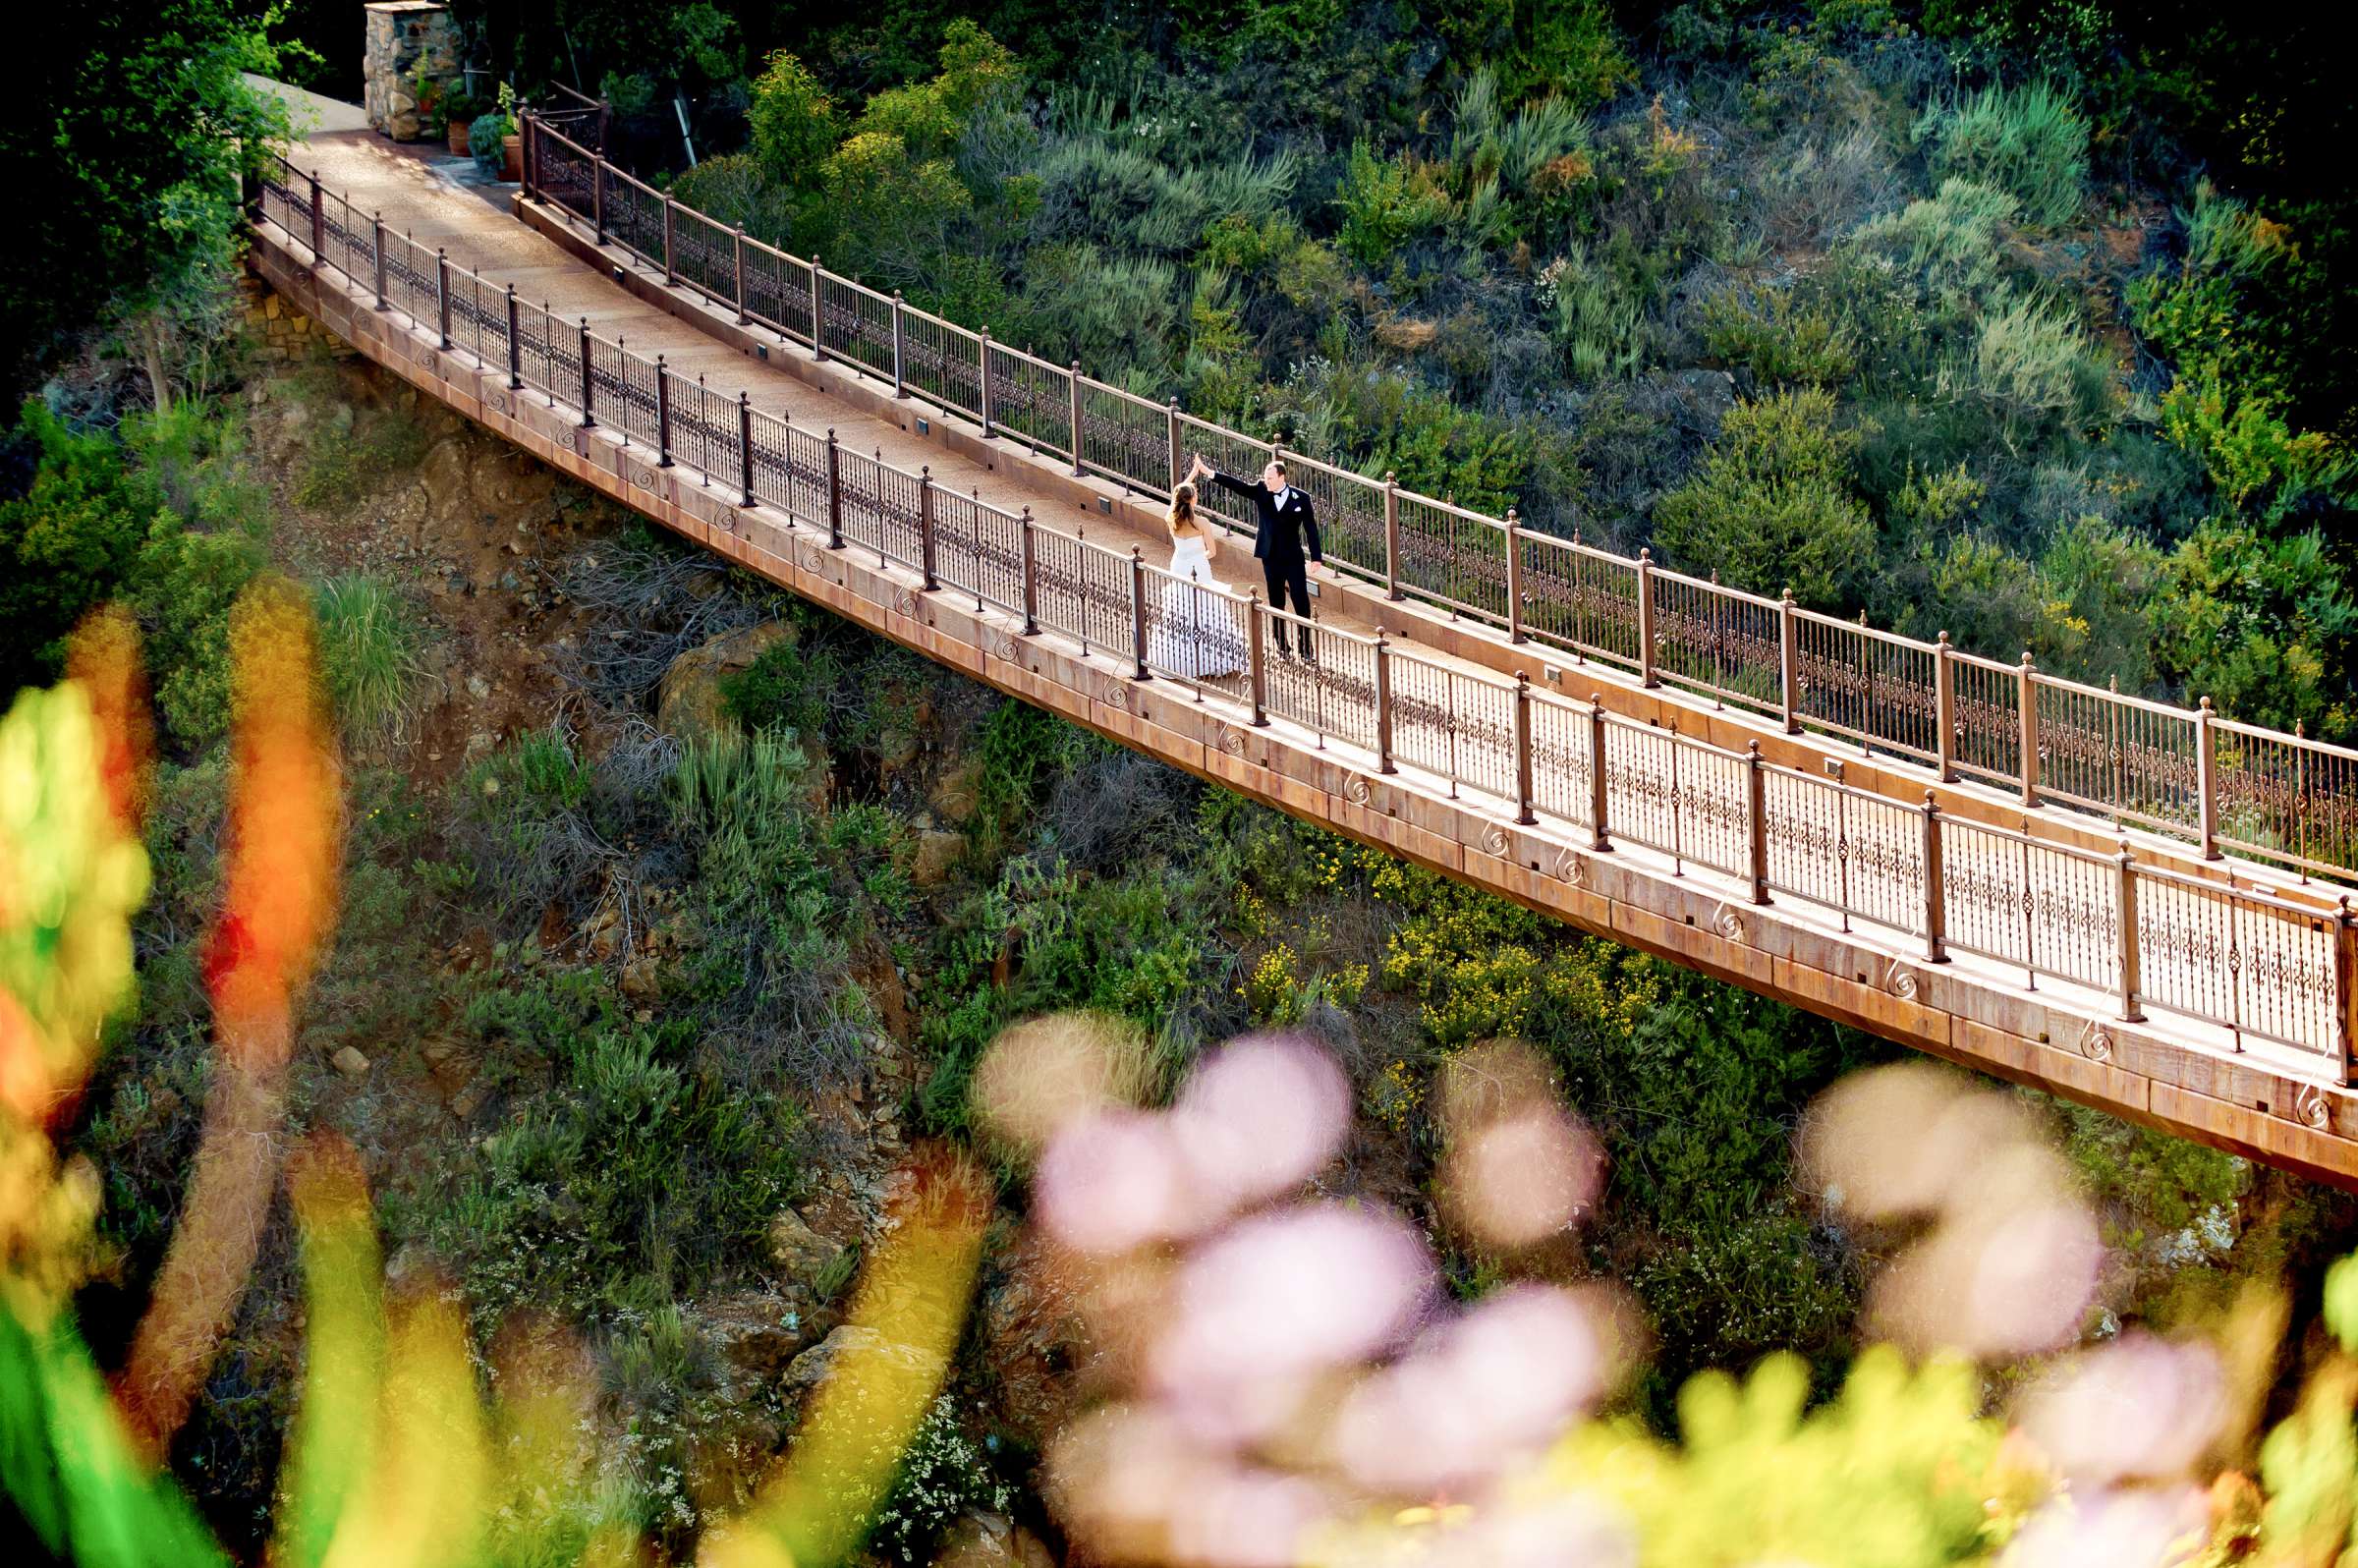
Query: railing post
x=442 y=294
x=1526 y=803
x=1171 y=423
x=1935 y=884
x=1598 y=839
x=318 y=223
x=745 y=449
x=598 y=192
x=662 y=415
x=900 y=380
x=737 y=256
x=1078 y=468
x=818 y=334
x=1138 y=611
x=524 y=128
x=983 y=394
x=588 y=418
x=376 y=240
x=924 y=527
x=2132 y=979
x=1514 y=578
x=515 y=344
x=2345 y=987
x=1391 y=538
x=834 y=493
x=1788 y=660
x=1031 y=579
x=1383 y=704
x=2206 y=780
x=2026 y=712
x=1645 y=673
x=1256 y=647
x=1756 y=819
x=670 y=275
x=1944 y=709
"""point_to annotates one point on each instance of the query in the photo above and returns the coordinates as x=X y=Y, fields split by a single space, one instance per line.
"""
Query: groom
x=1286 y=520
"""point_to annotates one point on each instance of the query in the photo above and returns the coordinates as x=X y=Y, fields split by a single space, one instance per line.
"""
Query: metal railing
x=2260 y=966
x=2262 y=795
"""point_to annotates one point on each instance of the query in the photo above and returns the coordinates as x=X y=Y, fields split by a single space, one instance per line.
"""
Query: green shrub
x=943 y=1475
x=635 y=1163
x=1781 y=342
x=1386 y=203
x=793 y=120
x=70 y=542
x=1771 y=505
x=1596 y=316
x=1947 y=244
x=2029 y=142
x=1572 y=48
x=2031 y=368
x=370 y=650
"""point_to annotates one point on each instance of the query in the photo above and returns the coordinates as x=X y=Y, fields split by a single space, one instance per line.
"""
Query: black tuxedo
x=1281 y=530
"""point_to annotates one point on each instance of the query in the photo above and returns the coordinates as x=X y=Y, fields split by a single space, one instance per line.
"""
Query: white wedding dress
x=1195 y=635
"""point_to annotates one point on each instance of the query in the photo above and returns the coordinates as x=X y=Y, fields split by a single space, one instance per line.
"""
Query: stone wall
x=402 y=33
x=280 y=333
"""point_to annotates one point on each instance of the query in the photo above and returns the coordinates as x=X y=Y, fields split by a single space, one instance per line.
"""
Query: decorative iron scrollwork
x=1901 y=981
x=1355 y=789
x=1495 y=840
x=1573 y=867
x=2312 y=1107
x=2098 y=1047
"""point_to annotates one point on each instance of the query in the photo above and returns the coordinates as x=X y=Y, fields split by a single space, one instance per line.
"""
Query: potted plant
x=460 y=111
x=511 y=143
x=429 y=92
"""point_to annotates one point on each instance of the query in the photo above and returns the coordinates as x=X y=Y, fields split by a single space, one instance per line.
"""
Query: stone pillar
x=402 y=35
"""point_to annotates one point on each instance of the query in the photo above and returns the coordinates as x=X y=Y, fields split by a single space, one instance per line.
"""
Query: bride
x=1196 y=634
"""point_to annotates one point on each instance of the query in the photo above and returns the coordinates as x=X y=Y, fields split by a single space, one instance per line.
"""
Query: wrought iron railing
x=2262 y=794
x=2260 y=966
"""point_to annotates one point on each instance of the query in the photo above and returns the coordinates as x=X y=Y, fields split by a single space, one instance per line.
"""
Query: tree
x=145 y=124
x=1773 y=506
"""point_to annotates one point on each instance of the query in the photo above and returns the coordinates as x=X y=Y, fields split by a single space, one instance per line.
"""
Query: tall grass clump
x=369 y=649
x=2029 y=142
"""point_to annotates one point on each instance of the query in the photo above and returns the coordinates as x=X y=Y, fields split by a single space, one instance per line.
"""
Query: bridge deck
x=1841 y=934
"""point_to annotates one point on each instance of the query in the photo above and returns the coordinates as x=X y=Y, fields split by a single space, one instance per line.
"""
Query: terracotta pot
x=458 y=139
x=513 y=170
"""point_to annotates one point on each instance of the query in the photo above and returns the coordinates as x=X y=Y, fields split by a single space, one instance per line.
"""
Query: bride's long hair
x=1182 y=518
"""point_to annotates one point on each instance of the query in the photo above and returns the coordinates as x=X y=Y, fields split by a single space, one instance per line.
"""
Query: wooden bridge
x=2111 y=898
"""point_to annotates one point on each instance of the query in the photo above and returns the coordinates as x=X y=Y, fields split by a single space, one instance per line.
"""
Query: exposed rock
x=688 y=702
x=958 y=790
x=993 y=1541
x=936 y=853
x=814 y=1366
x=758 y=1333
x=349 y=1062
x=1031 y=1334
x=1709 y=394
x=443 y=475
x=507 y=480
x=641 y=977
x=799 y=1250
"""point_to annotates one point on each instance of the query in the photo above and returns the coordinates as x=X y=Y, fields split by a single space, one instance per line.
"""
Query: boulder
x=958 y=790
x=799 y=1250
x=444 y=478
x=936 y=853
x=688 y=701
x=349 y=1062
x=757 y=1334
x=991 y=1540
x=815 y=1364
